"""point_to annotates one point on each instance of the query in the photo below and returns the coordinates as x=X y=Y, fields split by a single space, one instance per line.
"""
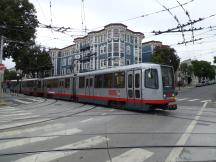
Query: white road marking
x=36 y=100
x=86 y=120
x=193 y=100
x=18 y=118
x=30 y=130
x=24 y=141
x=18 y=114
x=5 y=126
x=206 y=101
x=104 y=114
x=133 y=155
x=175 y=153
x=50 y=156
x=12 y=111
x=7 y=107
x=21 y=101
x=181 y=99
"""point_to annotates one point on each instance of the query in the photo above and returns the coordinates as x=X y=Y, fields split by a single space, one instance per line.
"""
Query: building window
x=131 y=39
x=101 y=49
x=128 y=52
x=116 y=62
x=109 y=62
x=122 y=35
x=116 y=47
x=122 y=50
x=115 y=33
x=109 y=48
x=109 y=34
x=127 y=62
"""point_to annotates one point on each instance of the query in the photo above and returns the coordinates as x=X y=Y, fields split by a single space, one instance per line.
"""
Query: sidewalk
x=4 y=98
x=185 y=88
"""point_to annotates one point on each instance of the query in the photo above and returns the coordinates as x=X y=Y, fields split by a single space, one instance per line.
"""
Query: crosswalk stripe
x=49 y=156
x=31 y=130
x=21 y=101
x=24 y=141
x=12 y=111
x=133 y=155
x=181 y=99
x=5 y=126
x=86 y=120
x=18 y=118
x=206 y=101
x=193 y=100
x=7 y=108
x=18 y=114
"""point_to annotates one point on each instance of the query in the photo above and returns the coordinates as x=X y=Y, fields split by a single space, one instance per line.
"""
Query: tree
x=166 y=55
x=215 y=59
x=18 y=24
x=186 y=69
x=203 y=69
x=34 y=60
x=10 y=75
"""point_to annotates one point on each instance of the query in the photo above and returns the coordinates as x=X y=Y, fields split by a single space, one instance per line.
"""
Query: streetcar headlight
x=164 y=96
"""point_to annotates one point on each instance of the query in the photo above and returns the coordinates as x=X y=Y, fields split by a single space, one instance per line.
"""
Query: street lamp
x=18 y=86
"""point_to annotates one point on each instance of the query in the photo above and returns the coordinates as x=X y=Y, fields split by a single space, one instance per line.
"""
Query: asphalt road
x=42 y=130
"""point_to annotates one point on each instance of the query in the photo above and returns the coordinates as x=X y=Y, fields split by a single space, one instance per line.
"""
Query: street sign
x=2 y=66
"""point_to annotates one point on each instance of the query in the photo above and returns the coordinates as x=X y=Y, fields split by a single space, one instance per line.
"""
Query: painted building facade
x=148 y=49
x=113 y=46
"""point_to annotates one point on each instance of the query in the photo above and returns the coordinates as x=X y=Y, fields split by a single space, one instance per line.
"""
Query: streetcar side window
x=130 y=81
x=108 y=80
x=137 y=80
x=87 y=83
x=53 y=83
x=81 y=82
x=39 y=84
x=99 y=81
x=91 y=82
x=119 y=80
x=151 y=79
x=67 y=82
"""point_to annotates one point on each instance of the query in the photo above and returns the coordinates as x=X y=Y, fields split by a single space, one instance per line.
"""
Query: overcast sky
x=98 y=13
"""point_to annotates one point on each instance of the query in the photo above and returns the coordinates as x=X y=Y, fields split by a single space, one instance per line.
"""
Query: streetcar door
x=134 y=84
x=137 y=84
x=130 y=91
x=89 y=85
x=74 y=88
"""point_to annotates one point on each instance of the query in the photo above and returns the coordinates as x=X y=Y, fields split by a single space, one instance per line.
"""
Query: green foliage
x=203 y=69
x=215 y=59
x=186 y=69
x=34 y=61
x=10 y=75
x=167 y=56
x=18 y=23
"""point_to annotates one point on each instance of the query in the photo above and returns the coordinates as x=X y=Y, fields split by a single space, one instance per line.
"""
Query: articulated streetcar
x=137 y=87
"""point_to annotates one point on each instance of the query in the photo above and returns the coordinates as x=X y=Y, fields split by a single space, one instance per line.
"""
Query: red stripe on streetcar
x=165 y=101
x=117 y=99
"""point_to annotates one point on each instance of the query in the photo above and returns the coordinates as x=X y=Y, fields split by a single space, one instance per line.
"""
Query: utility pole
x=1 y=73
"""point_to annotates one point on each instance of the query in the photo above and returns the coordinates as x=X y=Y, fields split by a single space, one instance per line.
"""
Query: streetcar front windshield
x=167 y=76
